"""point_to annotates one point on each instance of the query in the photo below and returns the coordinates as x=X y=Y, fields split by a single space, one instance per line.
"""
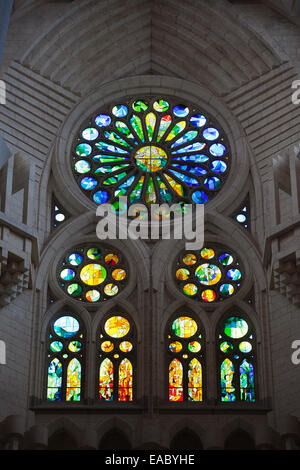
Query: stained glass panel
x=137 y=134
x=106 y=380
x=125 y=381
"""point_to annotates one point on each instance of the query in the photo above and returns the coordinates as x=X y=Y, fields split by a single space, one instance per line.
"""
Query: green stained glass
x=74 y=290
x=150 y=124
x=163 y=190
x=137 y=126
x=115 y=179
x=137 y=191
x=177 y=187
x=184 y=327
x=227 y=383
x=179 y=127
x=208 y=274
x=165 y=123
x=115 y=138
x=110 y=169
x=161 y=106
x=75 y=346
x=140 y=105
x=124 y=129
x=235 y=327
x=150 y=193
x=56 y=346
x=226 y=346
x=247 y=381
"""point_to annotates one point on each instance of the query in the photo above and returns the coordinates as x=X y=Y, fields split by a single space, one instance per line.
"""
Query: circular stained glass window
x=92 y=273
x=209 y=275
x=151 y=150
x=184 y=327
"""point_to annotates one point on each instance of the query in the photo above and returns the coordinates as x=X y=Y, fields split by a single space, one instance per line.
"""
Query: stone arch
x=64 y=428
x=116 y=423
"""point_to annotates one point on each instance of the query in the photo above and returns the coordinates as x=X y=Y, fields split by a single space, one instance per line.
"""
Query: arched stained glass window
x=151 y=149
x=209 y=275
x=236 y=359
x=185 y=343
x=92 y=273
x=117 y=352
x=65 y=356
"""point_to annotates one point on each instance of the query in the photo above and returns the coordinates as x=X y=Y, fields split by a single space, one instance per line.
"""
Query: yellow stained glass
x=73 y=380
x=117 y=327
x=176 y=186
x=207 y=253
x=151 y=158
x=182 y=274
x=118 y=274
x=190 y=289
x=106 y=380
x=175 y=347
x=208 y=295
x=195 y=381
x=111 y=290
x=175 y=381
x=107 y=346
x=189 y=259
x=184 y=327
x=125 y=346
x=125 y=381
x=93 y=274
x=111 y=259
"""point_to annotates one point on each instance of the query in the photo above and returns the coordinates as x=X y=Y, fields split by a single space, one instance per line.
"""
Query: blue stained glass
x=66 y=326
x=198 y=120
x=193 y=158
x=109 y=148
x=100 y=197
x=234 y=274
x=123 y=188
x=120 y=110
x=90 y=133
x=196 y=170
x=103 y=120
x=185 y=179
x=190 y=148
x=217 y=150
x=181 y=110
x=75 y=259
x=247 y=381
x=88 y=183
x=218 y=166
x=83 y=150
x=200 y=197
x=211 y=133
x=185 y=138
x=212 y=183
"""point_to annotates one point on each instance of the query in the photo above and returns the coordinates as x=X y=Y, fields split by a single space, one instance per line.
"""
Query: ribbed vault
x=95 y=42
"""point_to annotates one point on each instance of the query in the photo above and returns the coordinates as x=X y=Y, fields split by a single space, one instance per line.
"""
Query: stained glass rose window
x=92 y=273
x=208 y=275
x=151 y=150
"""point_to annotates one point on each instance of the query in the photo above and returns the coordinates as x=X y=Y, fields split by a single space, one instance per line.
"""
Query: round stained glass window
x=151 y=150
x=92 y=273
x=184 y=327
x=208 y=275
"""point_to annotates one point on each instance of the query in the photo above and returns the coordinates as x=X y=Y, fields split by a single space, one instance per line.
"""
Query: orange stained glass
x=182 y=274
x=125 y=381
x=208 y=295
x=111 y=259
x=118 y=274
x=195 y=380
x=175 y=381
x=189 y=259
x=117 y=327
x=107 y=346
x=190 y=289
x=125 y=346
x=73 y=380
x=106 y=380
